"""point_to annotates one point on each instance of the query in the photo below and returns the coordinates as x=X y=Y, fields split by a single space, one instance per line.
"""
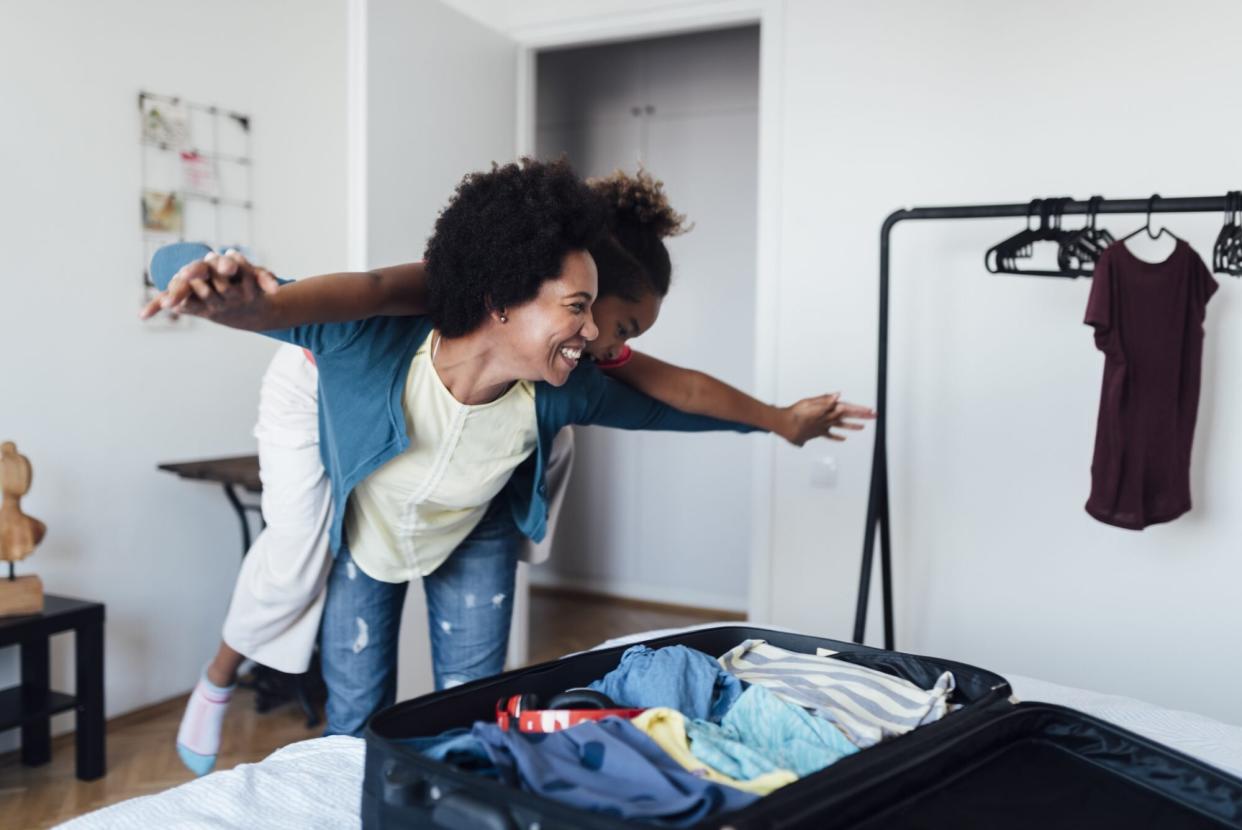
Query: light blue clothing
x=606 y=766
x=678 y=677
x=761 y=733
x=469 y=608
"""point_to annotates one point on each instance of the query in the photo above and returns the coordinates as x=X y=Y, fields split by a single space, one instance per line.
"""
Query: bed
x=318 y=783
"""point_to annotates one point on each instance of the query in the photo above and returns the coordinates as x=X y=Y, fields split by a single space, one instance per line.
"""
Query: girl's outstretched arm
x=698 y=393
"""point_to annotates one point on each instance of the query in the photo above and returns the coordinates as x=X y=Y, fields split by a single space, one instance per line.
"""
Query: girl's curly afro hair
x=634 y=260
x=503 y=234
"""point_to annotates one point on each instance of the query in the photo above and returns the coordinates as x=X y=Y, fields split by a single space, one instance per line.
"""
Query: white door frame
x=769 y=15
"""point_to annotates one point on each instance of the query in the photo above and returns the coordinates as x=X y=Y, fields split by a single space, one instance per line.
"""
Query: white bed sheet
x=317 y=784
x=309 y=785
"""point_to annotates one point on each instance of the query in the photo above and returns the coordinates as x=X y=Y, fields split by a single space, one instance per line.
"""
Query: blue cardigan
x=362 y=372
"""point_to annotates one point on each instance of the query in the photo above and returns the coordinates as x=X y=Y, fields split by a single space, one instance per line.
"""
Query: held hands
x=817 y=417
x=226 y=289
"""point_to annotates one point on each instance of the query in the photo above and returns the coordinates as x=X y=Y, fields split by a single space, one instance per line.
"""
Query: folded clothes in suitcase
x=988 y=764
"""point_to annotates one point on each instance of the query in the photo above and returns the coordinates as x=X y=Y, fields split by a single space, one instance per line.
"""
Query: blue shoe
x=200 y=765
x=170 y=259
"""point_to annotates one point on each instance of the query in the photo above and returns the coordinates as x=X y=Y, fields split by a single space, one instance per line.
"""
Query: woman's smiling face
x=549 y=334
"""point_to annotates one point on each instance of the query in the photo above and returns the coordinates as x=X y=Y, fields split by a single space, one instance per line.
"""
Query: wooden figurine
x=19 y=535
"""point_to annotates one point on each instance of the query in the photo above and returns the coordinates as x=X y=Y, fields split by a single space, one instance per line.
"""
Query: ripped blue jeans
x=469 y=608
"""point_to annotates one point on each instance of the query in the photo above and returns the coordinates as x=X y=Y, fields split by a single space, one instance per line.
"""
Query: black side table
x=32 y=704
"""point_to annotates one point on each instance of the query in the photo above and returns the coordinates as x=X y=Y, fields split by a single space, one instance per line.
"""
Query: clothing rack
x=878 y=515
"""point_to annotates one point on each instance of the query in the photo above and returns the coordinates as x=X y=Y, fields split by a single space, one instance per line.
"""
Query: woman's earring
x=504 y=318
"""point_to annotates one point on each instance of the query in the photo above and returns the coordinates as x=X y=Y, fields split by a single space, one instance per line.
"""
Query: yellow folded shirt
x=667 y=727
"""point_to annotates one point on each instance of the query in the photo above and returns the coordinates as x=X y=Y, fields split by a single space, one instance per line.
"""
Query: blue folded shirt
x=678 y=677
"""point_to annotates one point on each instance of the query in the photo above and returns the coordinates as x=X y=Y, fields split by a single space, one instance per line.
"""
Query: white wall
x=439 y=103
x=994 y=379
x=438 y=86
x=677 y=507
x=97 y=399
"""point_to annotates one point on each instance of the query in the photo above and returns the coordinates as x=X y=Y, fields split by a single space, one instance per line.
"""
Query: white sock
x=204 y=718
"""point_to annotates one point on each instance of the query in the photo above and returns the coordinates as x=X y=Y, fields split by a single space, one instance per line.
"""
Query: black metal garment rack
x=878 y=515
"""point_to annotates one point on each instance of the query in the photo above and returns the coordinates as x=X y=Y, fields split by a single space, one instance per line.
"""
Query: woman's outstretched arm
x=233 y=292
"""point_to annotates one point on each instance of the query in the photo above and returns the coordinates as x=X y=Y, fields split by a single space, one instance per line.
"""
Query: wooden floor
x=141 y=754
x=562 y=622
x=142 y=759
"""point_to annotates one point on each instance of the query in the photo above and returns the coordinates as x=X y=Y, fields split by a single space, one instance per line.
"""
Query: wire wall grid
x=197 y=177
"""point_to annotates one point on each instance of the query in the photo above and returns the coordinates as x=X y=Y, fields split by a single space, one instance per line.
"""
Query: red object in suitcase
x=563 y=711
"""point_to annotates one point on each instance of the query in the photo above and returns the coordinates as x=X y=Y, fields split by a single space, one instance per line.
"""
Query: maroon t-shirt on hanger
x=1148 y=320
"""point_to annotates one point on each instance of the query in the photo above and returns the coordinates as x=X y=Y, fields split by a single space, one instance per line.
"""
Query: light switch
x=824 y=472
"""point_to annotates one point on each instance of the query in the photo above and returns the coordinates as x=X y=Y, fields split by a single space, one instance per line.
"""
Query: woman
x=633 y=290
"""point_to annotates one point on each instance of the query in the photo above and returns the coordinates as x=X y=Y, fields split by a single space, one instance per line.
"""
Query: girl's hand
x=817 y=417
x=226 y=289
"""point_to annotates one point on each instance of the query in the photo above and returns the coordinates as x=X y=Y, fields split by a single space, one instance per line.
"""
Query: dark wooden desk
x=31 y=704
x=236 y=472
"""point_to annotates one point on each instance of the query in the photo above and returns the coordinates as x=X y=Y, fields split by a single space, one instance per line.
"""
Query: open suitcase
x=989 y=764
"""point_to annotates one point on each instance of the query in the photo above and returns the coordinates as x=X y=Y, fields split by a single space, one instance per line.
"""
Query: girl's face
x=619 y=320
x=547 y=336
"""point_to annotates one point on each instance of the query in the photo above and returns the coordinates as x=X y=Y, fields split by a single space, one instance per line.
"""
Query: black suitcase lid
x=921 y=779
x=1033 y=765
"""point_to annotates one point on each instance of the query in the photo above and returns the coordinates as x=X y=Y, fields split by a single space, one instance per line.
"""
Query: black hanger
x=1018 y=245
x=1098 y=238
x=1235 y=251
x=1080 y=251
x=1227 y=252
x=1003 y=257
x=1151 y=203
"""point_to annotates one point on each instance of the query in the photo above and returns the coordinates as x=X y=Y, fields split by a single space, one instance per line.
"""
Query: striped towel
x=867 y=705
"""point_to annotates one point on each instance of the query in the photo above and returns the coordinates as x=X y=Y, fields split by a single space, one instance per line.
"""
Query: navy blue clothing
x=606 y=766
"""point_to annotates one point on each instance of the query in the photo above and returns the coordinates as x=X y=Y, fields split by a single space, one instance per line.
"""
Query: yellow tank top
x=406 y=518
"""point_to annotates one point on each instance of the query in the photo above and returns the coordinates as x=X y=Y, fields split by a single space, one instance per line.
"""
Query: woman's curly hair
x=503 y=234
x=633 y=260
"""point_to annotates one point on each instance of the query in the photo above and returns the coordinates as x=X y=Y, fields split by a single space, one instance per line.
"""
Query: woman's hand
x=817 y=417
x=225 y=289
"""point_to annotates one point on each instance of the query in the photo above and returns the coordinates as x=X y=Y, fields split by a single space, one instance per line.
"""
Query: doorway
x=667 y=517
